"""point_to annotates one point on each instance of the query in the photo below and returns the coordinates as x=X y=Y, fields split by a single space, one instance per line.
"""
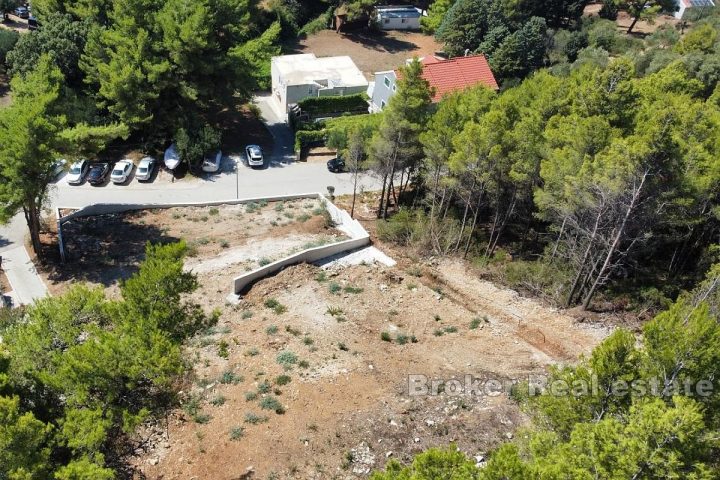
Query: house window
x=310 y=90
x=394 y=88
x=386 y=20
x=387 y=82
x=382 y=104
x=402 y=20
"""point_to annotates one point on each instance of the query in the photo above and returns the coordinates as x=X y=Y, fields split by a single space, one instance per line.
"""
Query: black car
x=336 y=164
x=98 y=173
x=22 y=12
x=33 y=24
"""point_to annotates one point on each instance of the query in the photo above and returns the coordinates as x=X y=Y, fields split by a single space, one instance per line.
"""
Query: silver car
x=77 y=172
x=121 y=171
x=254 y=155
x=145 y=169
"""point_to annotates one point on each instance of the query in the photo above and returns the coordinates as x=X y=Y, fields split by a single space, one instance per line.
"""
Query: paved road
x=27 y=285
x=280 y=176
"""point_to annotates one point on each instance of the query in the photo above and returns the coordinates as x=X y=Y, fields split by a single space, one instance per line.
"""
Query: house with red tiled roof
x=444 y=76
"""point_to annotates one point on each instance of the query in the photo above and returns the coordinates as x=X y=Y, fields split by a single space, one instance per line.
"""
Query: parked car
x=58 y=167
x=77 y=172
x=145 y=169
x=211 y=164
x=336 y=165
x=254 y=155
x=33 y=23
x=97 y=173
x=22 y=12
x=121 y=171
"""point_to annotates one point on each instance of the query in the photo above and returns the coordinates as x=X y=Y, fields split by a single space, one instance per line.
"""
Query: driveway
x=283 y=137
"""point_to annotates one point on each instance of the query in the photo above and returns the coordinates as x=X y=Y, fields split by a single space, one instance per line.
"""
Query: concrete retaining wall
x=359 y=237
x=306 y=256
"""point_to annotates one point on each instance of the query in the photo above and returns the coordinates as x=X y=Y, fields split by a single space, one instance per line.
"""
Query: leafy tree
x=436 y=13
x=434 y=463
x=520 y=52
x=8 y=39
x=94 y=369
x=29 y=131
x=172 y=63
x=193 y=145
x=24 y=451
x=396 y=145
x=466 y=24
x=62 y=39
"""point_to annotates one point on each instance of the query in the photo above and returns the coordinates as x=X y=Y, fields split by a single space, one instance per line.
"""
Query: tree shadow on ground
x=380 y=41
x=103 y=249
x=371 y=39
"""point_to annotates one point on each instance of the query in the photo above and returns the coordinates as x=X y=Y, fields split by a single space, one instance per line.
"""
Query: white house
x=398 y=17
x=685 y=5
x=295 y=77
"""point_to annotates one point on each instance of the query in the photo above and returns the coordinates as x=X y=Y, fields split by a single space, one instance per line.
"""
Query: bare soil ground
x=624 y=20
x=320 y=155
x=345 y=404
x=224 y=241
x=371 y=51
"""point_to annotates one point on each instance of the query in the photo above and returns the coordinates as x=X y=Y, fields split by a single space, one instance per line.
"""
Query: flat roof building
x=295 y=77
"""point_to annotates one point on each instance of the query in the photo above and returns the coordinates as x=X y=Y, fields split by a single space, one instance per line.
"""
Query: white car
x=77 y=172
x=211 y=164
x=145 y=168
x=254 y=155
x=121 y=171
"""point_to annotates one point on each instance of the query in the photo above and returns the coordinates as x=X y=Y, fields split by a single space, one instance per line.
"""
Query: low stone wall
x=306 y=256
x=359 y=237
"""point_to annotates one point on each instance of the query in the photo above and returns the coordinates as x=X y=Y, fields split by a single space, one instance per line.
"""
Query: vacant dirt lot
x=371 y=51
x=624 y=20
x=224 y=241
x=307 y=377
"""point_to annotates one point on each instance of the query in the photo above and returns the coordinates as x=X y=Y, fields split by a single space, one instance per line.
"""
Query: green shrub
x=287 y=359
x=228 y=377
x=223 y=349
x=351 y=289
x=254 y=419
x=250 y=396
x=385 y=337
x=272 y=403
x=264 y=387
x=218 y=401
x=334 y=288
x=283 y=380
x=276 y=306
x=271 y=330
x=237 y=433
x=402 y=228
x=335 y=104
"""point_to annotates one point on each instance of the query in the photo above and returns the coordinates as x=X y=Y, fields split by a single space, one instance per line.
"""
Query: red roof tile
x=448 y=76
